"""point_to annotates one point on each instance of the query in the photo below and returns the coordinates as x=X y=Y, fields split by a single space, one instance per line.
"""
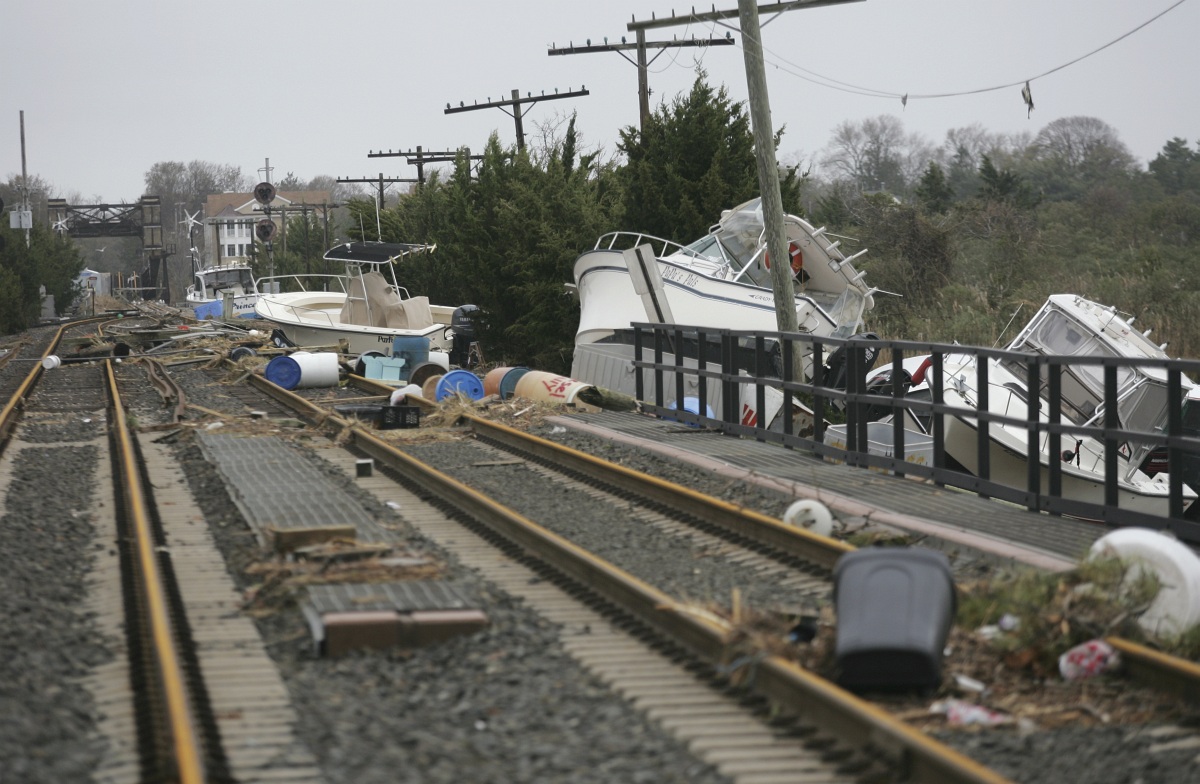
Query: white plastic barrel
x=303 y=369
x=1177 y=606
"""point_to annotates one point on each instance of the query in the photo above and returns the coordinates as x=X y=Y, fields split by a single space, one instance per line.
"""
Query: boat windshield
x=220 y=279
x=1059 y=335
x=847 y=312
x=741 y=233
x=709 y=247
x=1191 y=417
x=1146 y=408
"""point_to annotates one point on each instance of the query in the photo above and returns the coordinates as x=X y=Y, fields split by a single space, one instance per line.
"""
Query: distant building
x=231 y=218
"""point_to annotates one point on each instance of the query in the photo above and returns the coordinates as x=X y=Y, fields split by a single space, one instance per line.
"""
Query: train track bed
x=509 y=703
x=1010 y=750
x=52 y=642
x=1145 y=730
x=501 y=705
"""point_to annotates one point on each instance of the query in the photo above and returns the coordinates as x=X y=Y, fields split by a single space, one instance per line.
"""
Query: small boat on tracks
x=364 y=307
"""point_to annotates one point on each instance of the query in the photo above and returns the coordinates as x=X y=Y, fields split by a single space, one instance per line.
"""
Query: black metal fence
x=833 y=386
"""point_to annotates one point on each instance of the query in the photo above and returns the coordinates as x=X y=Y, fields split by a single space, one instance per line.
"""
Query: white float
x=1177 y=606
x=810 y=514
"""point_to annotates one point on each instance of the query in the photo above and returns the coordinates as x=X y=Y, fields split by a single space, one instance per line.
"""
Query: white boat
x=206 y=297
x=1070 y=326
x=364 y=307
x=722 y=280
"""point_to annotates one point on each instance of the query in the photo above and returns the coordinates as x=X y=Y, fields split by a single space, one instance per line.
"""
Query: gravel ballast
x=503 y=705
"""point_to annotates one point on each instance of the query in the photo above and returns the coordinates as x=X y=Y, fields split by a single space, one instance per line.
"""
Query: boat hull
x=243 y=307
x=312 y=319
x=1010 y=467
x=608 y=301
x=1008 y=450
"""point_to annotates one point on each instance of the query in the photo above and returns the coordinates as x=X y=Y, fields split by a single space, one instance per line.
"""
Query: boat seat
x=412 y=313
x=354 y=309
x=418 y=312
x=387 y=309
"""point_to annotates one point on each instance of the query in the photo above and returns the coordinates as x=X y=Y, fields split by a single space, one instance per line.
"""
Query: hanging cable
x=825 y=81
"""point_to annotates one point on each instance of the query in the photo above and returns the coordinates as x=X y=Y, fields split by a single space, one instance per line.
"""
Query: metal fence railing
x=831 y=411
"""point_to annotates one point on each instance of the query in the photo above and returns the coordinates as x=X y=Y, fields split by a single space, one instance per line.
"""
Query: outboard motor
x=882 y=385
x=280 y=339
x=462 y=321
x=837 y=368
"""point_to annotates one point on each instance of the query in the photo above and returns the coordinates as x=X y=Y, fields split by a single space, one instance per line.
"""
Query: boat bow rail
x=838 y=390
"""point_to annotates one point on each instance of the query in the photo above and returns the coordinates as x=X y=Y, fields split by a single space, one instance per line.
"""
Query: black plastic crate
x=400 y=416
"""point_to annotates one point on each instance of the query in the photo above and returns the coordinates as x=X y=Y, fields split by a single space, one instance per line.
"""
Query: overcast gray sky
x=109 y=89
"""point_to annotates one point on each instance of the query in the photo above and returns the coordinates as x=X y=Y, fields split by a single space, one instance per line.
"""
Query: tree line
x=963 y=237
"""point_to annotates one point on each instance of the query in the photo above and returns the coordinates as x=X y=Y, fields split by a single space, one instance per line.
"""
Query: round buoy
x=810 y=514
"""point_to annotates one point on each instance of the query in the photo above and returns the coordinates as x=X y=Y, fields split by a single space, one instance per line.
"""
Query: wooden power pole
x=641 y=62
x=764 y=140
x=516 y=102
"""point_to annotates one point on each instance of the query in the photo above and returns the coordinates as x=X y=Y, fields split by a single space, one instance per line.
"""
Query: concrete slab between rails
x=956 y=518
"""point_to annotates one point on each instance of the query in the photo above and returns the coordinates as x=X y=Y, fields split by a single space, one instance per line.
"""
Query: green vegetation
x=49 y=261
x=968 y=235
x=1042 y=615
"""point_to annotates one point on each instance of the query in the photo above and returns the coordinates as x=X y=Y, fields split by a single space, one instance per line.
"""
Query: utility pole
x=641 y=62
x=515 y=102
x=768 y=171
x=764 y=141
x=378 y=181
x=420 y=157
x=24 y=218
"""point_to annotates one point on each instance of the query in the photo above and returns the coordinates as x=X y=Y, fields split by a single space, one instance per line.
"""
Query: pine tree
x=934 y=191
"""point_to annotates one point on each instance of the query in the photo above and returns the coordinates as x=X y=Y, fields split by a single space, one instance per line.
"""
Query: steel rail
x=8 y=415
x=178 y=709
x=783 y=683
x=754 y=526
x=1164 y=671
x=168 y=389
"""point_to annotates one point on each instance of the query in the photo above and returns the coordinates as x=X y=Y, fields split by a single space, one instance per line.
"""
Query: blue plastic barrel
x=283 y=372
x=691 y=405
x=414 y=350
x=508 y=382
x=462 y=382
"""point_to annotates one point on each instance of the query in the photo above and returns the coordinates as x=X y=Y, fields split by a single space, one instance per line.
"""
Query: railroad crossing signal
x=265 y=228
x=264 y=193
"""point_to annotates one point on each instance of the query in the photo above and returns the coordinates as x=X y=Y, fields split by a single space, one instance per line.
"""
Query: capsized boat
x=365 y=306
x=722 y=280
x=206 y=297
x=1069 y=326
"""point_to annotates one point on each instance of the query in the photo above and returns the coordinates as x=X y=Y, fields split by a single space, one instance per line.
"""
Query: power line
x=833 y=84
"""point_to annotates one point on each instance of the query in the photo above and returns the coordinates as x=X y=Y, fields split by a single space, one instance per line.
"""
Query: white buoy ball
x=810 y=514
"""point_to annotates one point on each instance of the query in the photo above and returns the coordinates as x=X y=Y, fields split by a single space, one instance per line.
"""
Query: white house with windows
x=231 y=218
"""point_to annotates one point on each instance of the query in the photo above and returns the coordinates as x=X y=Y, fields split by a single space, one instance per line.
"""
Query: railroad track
x=150 y=599
x=676 y=663
x=847 y=735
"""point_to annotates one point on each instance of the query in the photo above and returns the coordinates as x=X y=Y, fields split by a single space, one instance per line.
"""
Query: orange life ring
x=794 y=252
